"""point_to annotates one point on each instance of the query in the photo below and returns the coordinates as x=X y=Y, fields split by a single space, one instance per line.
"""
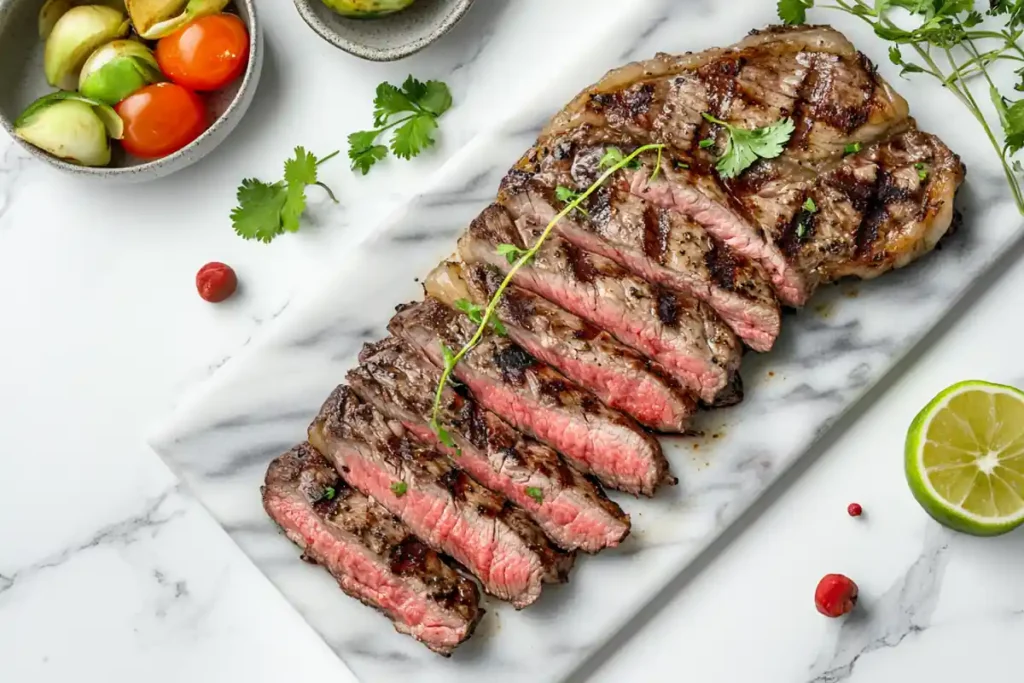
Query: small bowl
x=390 y=37
x=22 y=81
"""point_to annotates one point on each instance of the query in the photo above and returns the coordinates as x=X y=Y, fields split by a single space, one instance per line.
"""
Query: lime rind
x=948 y=513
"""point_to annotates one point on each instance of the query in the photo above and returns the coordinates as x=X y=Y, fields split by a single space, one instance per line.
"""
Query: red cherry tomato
x=207 y=54
x=160 y=119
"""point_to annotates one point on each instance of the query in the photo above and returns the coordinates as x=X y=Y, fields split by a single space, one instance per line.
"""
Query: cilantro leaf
x=852 y=148
x=414 y=136
x=266 y=210
x=612 y=156
x=437 y=98
x=809 y=206
x=399 y=488
x=511 y=252
x=363 y=150
x=535 y=493
x=258 y=214
x=329 y=493
x=389 y=100
x=475 y=312
x=744 y=147
x=794 y=11
x=922 y=171
x=414 y=89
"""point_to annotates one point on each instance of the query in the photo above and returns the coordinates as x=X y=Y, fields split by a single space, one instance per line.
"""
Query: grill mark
x=580 y=263
x=668 y=307
x=813 y=89
x=513 y=363
x=886 y=192
x=721 y=264
x=655 y=234
x=632 y=103
x=719 y=80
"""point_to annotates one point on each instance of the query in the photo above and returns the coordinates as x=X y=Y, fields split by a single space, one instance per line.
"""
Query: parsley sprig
x=743 y=147
x=412 y=111
x=951 y=46
x=267 y=210
x=488 y=315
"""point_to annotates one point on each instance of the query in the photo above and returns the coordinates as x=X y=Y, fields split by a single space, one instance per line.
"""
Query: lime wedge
x=965 y=458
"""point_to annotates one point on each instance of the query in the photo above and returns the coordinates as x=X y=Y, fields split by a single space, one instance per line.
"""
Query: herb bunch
x=485 y=318
x=952 y=46
x=411 y=111
x=266 y=210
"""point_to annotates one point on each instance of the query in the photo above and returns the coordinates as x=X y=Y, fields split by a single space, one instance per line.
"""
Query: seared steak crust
x=449 y=511
x=534 y=398
x=618 y=375
x=679 y=332
x=571 y=510
x=373 y=556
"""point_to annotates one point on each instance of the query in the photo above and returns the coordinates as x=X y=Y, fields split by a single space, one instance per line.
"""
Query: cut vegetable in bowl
x=160 y=119
x=207 y=54
x=118 y=69
x=74 y=37
x=52 y=10
x=155 y=19
x=71 y=127
x=367 y=9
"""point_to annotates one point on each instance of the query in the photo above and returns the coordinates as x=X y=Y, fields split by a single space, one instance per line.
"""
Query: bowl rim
x=456 y=12
x=182 y=154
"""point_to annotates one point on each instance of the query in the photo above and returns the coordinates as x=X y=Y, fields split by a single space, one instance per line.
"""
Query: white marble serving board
x=260 y=403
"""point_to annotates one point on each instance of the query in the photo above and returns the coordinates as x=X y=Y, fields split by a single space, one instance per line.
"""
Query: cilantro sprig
x=411 y=111
x=475 y=312
x=266 y=210
x=743 y=147
x=952 y=47
x=511 y=252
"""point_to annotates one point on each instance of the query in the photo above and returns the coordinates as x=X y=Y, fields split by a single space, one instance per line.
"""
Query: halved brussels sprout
x=157 y=18
x=71 y=127
x=367 y=9
x=53 y=10
x=118 y=69
x=75 y=36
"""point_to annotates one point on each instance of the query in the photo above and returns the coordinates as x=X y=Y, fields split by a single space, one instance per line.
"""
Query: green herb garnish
x=612 y=156
x=744 y=147
x=536 y=494
x=511 y=252
x=329 y=493
x=266 y=210
x=922 y=171
x=418 y=106
x=475 y=312
x=809 y=206
x=852 y=148
x=399 y=488
x=706 y=143
x=566 y=194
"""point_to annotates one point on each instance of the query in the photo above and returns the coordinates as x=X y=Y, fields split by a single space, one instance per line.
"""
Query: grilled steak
x=836 y=98
x=571 y=510
x=592 y=358
x=665 y=247
x=449 y=511
x=534 y=398
x=373 y=556
x=681 y=333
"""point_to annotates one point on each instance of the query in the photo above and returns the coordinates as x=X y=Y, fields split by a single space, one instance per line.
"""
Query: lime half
x=965 y=458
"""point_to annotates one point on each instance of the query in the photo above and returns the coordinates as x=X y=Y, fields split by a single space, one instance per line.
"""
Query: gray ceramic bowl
x=390 y=37
x=22 y=81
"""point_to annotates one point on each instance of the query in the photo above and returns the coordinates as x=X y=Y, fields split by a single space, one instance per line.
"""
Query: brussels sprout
x=157 y=18
x=76 y=34
x=53 y=10
x=367 y=9
x=118 y=69
x=71 y=127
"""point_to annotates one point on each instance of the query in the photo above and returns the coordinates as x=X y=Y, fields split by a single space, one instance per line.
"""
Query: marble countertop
x=121 y=574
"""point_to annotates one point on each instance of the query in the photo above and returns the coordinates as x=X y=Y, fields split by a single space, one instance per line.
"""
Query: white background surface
x=102 y=572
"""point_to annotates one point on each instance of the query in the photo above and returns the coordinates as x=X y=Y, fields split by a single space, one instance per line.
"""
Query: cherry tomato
x=207 y=54
x=160 y=119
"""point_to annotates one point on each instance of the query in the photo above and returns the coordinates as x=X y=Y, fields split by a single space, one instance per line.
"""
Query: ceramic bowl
x=22 y=81
x=387 y=38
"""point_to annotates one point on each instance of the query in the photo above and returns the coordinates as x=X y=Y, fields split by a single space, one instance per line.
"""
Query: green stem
x=492 y=306
x=328 y=157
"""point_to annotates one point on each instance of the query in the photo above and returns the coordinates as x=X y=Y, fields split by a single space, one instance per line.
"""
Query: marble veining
x=827 y=357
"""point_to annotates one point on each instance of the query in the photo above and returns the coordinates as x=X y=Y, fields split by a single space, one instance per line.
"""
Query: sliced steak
x=810 y=73
x=449 y=511
x=373 y=556
x=681 y=333
x=665 y=247
x=536 y=399
x=571 y=510
x=592 y=358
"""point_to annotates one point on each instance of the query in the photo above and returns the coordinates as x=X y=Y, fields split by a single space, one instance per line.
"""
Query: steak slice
x=664 y=247
x=535 y=399
x=592 y=358
x=373 y=556
x=449 y=511
x=571 y=510
x=681 y=333
x=810 y=73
